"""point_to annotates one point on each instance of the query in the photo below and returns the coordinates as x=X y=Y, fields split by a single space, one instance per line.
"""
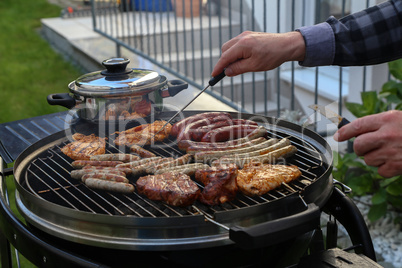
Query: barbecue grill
x=68 y=222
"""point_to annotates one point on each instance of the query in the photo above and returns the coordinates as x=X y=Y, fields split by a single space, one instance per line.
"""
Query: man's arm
x=371 y=36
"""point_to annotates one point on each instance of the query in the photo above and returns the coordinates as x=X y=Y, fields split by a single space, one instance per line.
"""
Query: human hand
x=378 y=140
x=256 y=51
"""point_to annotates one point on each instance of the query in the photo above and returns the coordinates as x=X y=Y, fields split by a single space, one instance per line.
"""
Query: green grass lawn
x=30 y=69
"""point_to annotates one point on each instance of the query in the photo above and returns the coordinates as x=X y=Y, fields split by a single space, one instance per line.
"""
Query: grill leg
x=346 y=212
x=332 y=233
x=5 y=251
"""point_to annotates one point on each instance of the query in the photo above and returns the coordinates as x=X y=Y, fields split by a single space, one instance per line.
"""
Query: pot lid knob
x=116 y=66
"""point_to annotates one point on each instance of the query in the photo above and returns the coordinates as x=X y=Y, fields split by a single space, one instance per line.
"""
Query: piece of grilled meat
x=173 y=188
x=83 y=147
x=258 y=179
x=145 y=134
x=219 y=184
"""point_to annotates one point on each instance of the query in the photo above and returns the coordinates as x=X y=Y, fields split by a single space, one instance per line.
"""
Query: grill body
x=50 y=201
x=58 y=234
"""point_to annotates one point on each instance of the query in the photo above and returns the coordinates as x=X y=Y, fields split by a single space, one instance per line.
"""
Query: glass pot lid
x=117 y=80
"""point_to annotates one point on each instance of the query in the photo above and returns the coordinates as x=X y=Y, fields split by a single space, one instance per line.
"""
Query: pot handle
x=174 y=87
x=62 y=99
x=276 y=231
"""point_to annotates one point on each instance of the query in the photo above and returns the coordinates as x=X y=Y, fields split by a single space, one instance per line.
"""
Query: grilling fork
x=213 y=81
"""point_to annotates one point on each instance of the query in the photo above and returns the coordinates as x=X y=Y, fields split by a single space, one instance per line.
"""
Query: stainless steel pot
x=117 y=93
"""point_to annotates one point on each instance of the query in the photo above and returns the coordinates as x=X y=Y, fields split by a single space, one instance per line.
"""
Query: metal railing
x=184 y=37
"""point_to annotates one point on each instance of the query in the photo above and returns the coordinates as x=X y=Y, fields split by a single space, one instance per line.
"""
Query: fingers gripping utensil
x=329 y=114
x=214 y=80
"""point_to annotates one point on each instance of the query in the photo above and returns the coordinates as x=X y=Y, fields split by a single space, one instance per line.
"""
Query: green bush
x=351 y=170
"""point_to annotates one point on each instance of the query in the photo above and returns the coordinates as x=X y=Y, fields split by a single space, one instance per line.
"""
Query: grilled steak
x=83 y=147
x=220 y=184
x=173 y=188
x=259 y=179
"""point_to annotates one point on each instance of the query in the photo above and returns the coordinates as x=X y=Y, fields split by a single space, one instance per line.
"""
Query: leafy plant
x=351 y=170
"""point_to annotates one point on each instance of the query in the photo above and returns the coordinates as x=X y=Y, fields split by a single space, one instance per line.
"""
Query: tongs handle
x=217 y=78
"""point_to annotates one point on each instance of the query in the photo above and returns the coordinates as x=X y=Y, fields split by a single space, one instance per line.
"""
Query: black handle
x=175 y=86
x=343 y=122
x=116 y=66
x=276 y=231
x=217 y=78
x=62 y=99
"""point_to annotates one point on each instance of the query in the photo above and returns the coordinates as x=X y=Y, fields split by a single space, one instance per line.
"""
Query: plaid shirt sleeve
x=371 y=36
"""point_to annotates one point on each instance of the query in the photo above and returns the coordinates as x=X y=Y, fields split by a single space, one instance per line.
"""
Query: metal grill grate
x=48 y=177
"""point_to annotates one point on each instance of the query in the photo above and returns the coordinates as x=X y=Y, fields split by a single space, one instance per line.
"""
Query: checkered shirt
x=371 y=36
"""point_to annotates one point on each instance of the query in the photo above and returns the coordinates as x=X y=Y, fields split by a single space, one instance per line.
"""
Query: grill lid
x=117 y=80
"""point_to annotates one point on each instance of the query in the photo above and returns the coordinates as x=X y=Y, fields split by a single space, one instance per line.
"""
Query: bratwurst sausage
x=144 y=153
x=82 y=163
x=127 y=171
x=115 y=157
x=259 y=132
x=228 y=133
x=182 y=160
x=188 y=169
x=178 y=126
x=187 y=131
x=210 y=147
x=79 y=173
x=104 y=176
x=138 y=162
x=113 y=186
x=270 y=157
x=199 y=132
x=213 y=155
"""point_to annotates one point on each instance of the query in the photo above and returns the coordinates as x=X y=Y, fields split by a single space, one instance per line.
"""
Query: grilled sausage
x=244 y=122
x=188 y=169
x=228 y=133
x=268 y=145
x=105 y=176
x=213 y=147
x=115 y=157
x=178 y=126
x=271 y=157
x=82 y=163
x=259 y=132
x=78 y=173
x=278 y=145
x=184 y=159
x=141 y=151
x=251 y=153
x=198 y=133
x=138 y=162
x=141 y=169
x=187 y=131
x=127 y=171
x=113 y=186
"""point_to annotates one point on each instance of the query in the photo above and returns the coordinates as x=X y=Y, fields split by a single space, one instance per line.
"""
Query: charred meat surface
x=220 y=184
x=145 y=134
x=83 y=147
x=258 y=179
x=173 y=188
